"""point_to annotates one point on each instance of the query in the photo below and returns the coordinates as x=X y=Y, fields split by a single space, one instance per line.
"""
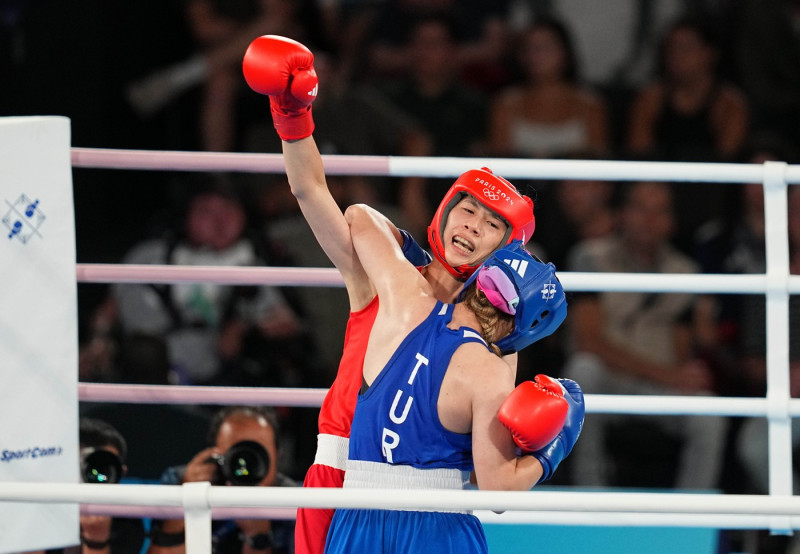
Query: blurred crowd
x=661 y=80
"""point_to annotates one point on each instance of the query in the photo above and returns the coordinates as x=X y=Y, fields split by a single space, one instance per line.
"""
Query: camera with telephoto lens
x=100 y=466
x=245 y=463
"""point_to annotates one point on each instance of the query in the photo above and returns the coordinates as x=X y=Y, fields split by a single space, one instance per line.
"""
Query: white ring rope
x=564 y=507
x=394 y=166
x=549 y=517
x=778 y=511
x=328 y=277
x=539 y=506
x=311 y=398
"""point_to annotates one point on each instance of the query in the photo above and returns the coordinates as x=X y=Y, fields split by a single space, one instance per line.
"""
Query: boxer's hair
x=494 y=324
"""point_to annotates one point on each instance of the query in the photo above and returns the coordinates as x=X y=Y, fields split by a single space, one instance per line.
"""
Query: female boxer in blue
x=427 y=414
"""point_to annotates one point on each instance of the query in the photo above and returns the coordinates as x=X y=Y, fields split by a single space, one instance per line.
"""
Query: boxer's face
x=472 y=233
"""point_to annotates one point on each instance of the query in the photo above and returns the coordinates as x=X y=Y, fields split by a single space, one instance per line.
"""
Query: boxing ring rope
x=312 y=398
x=199 y=502
x=171 y=499
x=412 y=166
x=324 y=277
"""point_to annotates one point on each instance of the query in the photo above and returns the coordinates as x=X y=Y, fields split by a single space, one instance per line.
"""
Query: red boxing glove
x=534 y=412
x=283 y=69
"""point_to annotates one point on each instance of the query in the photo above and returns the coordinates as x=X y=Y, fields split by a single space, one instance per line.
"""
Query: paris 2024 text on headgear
x=497 y=195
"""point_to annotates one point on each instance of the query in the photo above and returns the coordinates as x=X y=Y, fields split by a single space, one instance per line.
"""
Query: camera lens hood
x=100 y=466
x=245 y=463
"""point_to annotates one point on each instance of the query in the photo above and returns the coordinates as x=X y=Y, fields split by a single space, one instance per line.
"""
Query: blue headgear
x=541 y=306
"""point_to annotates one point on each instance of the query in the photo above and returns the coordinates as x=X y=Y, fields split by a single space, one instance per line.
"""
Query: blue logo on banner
x=23 y=219
x=30 y=453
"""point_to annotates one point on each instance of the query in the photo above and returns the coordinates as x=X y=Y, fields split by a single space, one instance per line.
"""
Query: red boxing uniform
x=335 y=418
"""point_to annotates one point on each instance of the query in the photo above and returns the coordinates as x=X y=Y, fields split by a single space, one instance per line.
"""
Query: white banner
x=38 y=328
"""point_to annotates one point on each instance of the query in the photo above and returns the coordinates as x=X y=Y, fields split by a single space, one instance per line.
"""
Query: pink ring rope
x=177 y=512
x=109 y=158
x=165 y=274
x=176 y=394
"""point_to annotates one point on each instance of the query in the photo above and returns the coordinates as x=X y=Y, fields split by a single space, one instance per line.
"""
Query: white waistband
x=375 y=475
x=332 y=451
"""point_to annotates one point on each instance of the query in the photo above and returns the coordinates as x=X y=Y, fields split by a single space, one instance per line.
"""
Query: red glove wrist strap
x=293 y=127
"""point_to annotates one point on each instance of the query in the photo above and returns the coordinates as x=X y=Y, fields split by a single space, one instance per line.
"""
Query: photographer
x=251 y=433
x=103 y=451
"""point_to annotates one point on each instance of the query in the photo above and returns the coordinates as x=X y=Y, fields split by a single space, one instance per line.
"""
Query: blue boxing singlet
x=397 y=441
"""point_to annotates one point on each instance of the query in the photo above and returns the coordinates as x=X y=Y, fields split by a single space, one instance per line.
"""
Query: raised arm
x=307 y=181
x=283 y=69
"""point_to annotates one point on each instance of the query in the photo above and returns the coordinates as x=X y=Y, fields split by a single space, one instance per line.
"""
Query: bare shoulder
x=475 y=385
x=481 y=370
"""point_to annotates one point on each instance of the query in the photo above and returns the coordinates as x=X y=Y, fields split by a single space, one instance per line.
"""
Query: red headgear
x=497 y=195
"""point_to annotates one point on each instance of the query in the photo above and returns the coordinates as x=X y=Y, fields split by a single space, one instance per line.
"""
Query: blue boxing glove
x=560 y=447
x=413 y=251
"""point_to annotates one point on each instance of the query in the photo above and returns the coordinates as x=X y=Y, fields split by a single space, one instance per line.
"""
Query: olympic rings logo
x=490 y=194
